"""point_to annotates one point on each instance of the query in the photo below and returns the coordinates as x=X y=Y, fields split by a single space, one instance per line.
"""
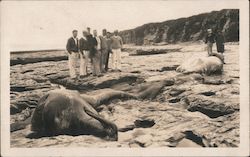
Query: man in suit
x=109 y=50
x=116 y=45
x=72 y=49
x=219 y=38
x=97 y=55
x=84 y=48
x=104 y=51
x=89 y=30
x=209 y=40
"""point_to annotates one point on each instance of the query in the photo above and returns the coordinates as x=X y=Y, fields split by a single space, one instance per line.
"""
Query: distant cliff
x=186 y=29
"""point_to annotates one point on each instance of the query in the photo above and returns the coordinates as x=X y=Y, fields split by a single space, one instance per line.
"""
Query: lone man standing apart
x=116 y=45
x=72 y=48
x=209 y=40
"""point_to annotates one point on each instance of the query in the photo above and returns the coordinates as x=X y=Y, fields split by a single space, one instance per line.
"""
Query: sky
x=35 y=25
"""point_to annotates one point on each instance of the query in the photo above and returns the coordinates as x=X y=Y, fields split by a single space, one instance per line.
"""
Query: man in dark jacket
x=97 y=54
x=104 y=51
x=92 y=43
x=92 y=47
x=109 y=42
x=209 y=40
x=84 y=54
x=72 y=49
x=219 y=38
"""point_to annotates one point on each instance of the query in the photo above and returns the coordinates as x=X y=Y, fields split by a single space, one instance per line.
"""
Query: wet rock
x=136 y=72
x=23 y=115
x=208 y=93
x=217 y=81
x=27 y=71
x=127 y=128
x=152 y=51
x=14 y=109
x=183 y=78
x=196 y=138
x=18 y=88
x=151 y=90
x=142 y=141
x=144 y=123
x=27 y=99
x=187 y=143
x=168 y=68
x=176 y=91
x=91 y=82
x=174 y=100
x=175 y=138
x=212 y=109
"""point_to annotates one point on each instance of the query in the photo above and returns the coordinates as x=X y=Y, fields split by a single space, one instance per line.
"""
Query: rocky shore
x=193 y=111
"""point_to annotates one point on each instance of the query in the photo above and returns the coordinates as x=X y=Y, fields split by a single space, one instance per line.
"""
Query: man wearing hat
x=116 y=45
x=73 y=55
x=84 y=47
x=209 y=40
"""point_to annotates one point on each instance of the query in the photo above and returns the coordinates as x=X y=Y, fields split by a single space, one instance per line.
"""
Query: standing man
x=219 y=38
x=116 y=45
x=104 y=51
x=109 y=50
x=89 y=30
x=84 y=54
x=97 y=55
x=209 y=40
x=72 y=49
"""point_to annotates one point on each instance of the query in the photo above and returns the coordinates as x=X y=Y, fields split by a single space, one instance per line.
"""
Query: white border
x=242 y=150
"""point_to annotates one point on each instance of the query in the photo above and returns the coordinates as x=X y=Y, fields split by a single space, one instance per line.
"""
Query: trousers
x=84 y=60
x=104 y=60
x=72 y=61
x=209 y=48
x=96 y=68
x=116 y=59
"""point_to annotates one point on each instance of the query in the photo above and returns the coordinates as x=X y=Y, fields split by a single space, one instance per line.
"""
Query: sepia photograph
x=133 y=77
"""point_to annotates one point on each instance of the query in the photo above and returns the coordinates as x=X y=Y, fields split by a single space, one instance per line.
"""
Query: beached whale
x=206 y=65
x=65 y=112
x=90 y=101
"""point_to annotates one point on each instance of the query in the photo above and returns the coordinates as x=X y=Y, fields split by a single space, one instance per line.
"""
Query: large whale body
x=65 y=112
x=206 y=65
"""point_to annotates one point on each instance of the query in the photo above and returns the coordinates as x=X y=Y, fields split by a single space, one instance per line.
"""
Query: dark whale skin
x=65 y=112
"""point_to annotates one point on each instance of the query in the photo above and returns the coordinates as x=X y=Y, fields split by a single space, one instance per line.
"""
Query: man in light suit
x=104 y=50
x=84 y=48
x=97 y=55
x=116 y=45
x=73 y=54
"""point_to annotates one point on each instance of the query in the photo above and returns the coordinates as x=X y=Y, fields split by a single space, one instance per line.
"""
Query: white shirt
x=84 y=37
x=98 y=43
x=75 y=40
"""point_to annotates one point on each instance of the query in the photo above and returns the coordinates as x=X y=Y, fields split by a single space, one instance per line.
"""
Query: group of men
x=96 y=50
